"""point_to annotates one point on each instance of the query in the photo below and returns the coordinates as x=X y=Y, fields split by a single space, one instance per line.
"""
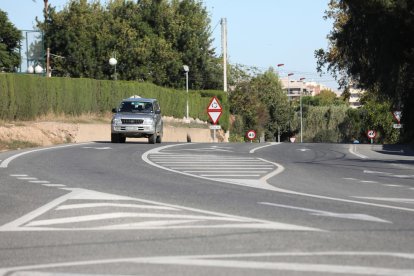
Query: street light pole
x=186 y=69
x=301 y=115
x=278 y=126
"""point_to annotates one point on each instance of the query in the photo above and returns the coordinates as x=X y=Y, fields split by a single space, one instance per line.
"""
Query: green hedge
x=26 y=97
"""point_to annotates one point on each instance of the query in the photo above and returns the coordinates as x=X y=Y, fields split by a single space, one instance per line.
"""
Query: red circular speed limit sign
x=251 y=134
x=371 y=134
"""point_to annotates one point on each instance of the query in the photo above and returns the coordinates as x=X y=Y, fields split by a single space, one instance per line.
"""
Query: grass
x=16 y=144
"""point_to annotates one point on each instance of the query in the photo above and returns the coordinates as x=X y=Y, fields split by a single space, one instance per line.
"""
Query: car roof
x=139 y=99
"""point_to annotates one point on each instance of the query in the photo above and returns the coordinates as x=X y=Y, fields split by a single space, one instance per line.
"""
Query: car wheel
x=159 y=139
x=114 y=138
x=122 y=139
x=152 y=139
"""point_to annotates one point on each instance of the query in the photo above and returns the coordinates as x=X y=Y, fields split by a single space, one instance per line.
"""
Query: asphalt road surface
x=206 y=209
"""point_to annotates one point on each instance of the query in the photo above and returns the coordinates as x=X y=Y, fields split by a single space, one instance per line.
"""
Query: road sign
x=214 y=110
x=397 y=116
x=397 y=125
x=215 y=127
x=371 y=134
x=251 y=134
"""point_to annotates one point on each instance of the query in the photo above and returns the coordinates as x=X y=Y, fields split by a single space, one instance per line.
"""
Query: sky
x=261 y=33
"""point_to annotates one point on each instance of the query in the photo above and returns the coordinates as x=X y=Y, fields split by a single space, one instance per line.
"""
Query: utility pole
x=48 y=49
x=224 y=51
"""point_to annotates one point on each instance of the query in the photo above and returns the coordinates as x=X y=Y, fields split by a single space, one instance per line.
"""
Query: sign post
x=214 y=111
x=251 y=135
x=371 y=135
x=397 y=117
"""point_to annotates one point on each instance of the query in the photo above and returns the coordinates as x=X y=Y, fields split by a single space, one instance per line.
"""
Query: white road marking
x=205 y=219
x=262 y=183
x=94 y=205
x=7 y=161
x=393 y=185
x=315 y=212
x=27 y=178
x=391 y=199
x=39 y=181
x=265 y=146
x=213 y=148
x=376 y=172
x=18 y=175
x=353 y=150
x=97 y=148
x=54 y=185
x=389 y=174
x=230 y=175
x=303 y=150
x=247 y=261
x=368 y=181
x=255 y=183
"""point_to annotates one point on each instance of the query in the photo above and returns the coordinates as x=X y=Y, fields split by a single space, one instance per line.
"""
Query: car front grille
x=132 y=121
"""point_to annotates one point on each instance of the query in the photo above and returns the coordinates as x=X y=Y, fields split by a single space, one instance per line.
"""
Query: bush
x=26 y=97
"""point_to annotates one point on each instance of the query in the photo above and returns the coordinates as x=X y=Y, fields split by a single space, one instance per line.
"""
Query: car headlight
x=148 y=121
x=116 y=121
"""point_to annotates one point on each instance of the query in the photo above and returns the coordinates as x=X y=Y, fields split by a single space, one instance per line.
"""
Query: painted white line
x=48 y=222
x=54 y=185
x=210 y=162
x=29 y=222
x=368 y=181
x=353 y=150
x=226 y=171
x=349 y=178
x=265 y=146
x=7 y=161
x=97 y=148
x=245 y=261
x=230 y=175
x=391 y=199
x=376 y=172
x=224 y=166
x=95 y=205
x=323 y=213
x=258 y=183
x=40 y=181
x=147 y=224
x=12 y=226
x=18 y=175
x=27 y=178
x=393 y=185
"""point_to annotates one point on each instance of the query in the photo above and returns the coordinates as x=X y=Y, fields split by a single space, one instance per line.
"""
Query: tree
x=262 y=104
x=152 y=40
x=10 y=38
x=370 y=45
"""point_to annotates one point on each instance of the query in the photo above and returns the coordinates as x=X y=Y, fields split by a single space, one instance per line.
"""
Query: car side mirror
x=158 y=111
x=114 y=110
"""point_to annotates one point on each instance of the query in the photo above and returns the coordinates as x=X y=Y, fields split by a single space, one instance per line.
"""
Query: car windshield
x=136 y=107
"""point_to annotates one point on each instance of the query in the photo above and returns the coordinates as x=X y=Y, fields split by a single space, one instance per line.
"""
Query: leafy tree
x=262 y=104
x=371 y=44
x=9 y=44
x=152 y=40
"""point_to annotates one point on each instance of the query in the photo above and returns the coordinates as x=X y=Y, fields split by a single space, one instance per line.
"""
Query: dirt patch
x=30 y=134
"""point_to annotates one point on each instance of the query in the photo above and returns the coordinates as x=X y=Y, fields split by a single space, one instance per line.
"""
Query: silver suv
x=137 y=117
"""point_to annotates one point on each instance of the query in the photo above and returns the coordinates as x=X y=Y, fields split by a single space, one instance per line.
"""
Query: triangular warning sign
x=397 y=115
x=214 y=105
x=214 y=116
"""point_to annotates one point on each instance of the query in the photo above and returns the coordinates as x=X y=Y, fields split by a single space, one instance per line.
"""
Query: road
x=206 y=209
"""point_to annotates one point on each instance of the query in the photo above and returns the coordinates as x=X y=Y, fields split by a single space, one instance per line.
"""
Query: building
x=355 y=96
x=297 y=87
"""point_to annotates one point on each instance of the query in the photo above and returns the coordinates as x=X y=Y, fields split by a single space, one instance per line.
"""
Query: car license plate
x=131 y=128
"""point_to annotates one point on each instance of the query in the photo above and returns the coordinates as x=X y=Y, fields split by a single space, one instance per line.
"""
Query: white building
x=355 y=97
